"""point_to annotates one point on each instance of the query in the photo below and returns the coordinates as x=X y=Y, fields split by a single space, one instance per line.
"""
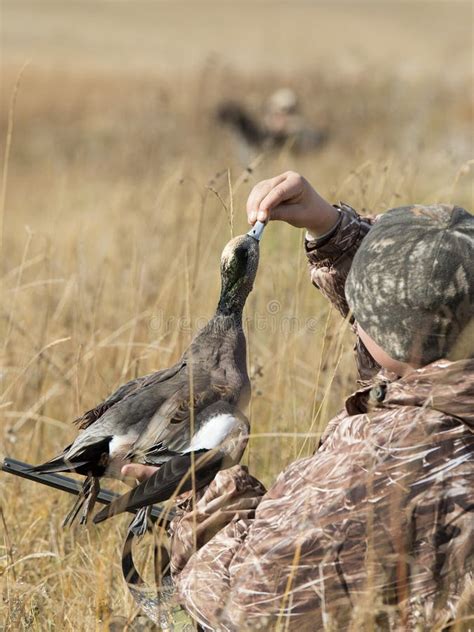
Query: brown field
x=120 y=191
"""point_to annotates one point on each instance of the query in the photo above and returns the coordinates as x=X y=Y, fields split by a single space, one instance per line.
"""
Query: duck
x=191 y=413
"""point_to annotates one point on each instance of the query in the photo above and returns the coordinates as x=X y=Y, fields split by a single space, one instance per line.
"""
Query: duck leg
x=139 y=524
x=90 y=500
x=85 y=501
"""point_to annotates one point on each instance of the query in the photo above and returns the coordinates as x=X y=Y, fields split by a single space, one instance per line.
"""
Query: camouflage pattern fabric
x=411 y=283
x=374 y=531
x=330 y=259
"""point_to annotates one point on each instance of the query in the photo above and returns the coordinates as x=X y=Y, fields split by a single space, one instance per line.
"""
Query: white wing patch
x=121 y=444
x=118 y=448
x=212 y=433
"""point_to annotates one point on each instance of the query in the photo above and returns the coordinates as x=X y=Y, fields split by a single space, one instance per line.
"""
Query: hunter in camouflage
x=376 y=529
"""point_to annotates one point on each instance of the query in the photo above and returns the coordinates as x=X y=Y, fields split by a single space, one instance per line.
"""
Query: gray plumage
x=167 y=415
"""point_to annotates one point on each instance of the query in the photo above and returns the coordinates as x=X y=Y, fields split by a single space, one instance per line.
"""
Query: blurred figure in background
x=282 y=125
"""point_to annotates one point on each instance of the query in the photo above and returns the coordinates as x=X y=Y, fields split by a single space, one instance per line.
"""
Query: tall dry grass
x=121 y=193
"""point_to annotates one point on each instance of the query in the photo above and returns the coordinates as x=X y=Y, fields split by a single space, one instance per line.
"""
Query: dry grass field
x=119 y=193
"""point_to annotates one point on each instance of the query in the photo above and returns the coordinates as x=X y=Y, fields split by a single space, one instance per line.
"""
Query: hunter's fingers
x=258 y=194
x=138 y=471
x=270 y=194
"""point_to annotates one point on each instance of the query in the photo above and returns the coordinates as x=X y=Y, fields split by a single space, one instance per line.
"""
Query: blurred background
x=132 y=133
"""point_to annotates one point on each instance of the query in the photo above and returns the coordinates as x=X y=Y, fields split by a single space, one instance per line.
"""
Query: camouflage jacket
x=375 y=530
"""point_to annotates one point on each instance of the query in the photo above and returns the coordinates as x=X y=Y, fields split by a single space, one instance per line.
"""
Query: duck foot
x=90 y=500
x=139 y=524
x=85 y=501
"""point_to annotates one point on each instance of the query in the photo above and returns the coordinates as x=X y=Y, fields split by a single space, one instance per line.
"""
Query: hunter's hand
x=290 y=198
x=138 y=471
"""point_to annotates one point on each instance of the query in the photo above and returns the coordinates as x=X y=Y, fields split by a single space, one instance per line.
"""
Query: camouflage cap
x=411 y=283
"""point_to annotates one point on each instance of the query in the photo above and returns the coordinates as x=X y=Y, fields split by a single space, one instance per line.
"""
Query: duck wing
x=174 y=477
x=214 y=371
x=116 y=422
x=219 y=443
x=154 y=409
x=173 y=425
x=216 y=424
x=92 y=415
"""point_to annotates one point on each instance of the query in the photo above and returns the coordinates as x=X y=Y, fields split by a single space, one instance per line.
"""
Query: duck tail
x=58 y=464
x=89 y=460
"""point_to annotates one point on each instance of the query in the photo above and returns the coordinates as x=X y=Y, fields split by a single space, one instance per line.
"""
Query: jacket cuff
x=321 y=239
x=349 y=230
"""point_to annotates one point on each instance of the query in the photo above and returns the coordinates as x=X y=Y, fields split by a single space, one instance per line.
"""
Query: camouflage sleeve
x=231 y=498
x=367 y=520
x=330 y=258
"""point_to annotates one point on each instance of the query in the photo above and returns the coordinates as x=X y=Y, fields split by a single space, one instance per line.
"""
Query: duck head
x=239 y=263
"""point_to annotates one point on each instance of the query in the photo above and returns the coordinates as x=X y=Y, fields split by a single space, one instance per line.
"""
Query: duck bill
x=257 y=230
